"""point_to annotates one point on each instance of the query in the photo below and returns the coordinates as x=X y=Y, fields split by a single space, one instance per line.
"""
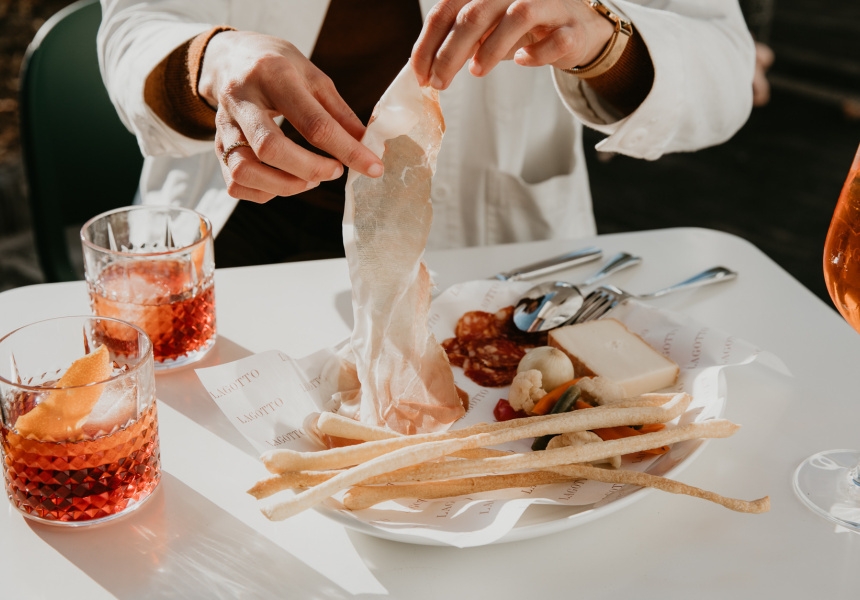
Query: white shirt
x=511 y=167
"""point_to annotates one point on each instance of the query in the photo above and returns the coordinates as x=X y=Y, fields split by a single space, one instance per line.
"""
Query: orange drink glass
x=79 y=439
x=154 y=266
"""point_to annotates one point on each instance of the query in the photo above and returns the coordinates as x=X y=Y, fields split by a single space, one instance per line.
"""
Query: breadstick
x=285 y=481
x=280 y=461
x=578 y=420
x=546 y=459
x=365 y=496
x=304 y=479
x=344 y=427
x=662 y=483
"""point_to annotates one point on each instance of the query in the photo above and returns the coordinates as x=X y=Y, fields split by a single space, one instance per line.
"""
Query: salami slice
x=455 y=350
x=497 y=352
x=477 y=324
x=488 y=346
x=488 y=376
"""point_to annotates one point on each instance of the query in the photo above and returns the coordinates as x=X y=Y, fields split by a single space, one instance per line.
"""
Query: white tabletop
x=202 y=536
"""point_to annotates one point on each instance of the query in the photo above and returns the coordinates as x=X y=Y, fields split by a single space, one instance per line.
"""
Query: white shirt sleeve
x=704 y=59
x=134 y=37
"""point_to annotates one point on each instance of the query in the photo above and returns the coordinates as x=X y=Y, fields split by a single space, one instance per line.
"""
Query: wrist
x=603 y=57
x=202 y=58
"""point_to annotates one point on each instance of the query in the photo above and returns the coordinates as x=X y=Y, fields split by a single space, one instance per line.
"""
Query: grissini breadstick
x=344 y=427
x=304 y=479
x=662 y=483
x=365 y=496
x=286 y=481
x=280 y=461
x=546 y=459
x=409 y=456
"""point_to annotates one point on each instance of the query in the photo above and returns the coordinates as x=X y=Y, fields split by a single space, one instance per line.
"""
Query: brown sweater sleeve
x=627 y=83
x=171 y=89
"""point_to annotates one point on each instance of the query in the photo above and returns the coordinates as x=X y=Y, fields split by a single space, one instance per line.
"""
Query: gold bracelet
x=614 y=47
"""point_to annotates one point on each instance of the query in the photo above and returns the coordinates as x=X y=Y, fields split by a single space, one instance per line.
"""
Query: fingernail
x=311 y=185
x=375 y=170
x=435 y=82
x=337 y=172
x=475 y=69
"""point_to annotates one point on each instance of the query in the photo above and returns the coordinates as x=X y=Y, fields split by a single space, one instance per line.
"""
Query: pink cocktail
x=154 y=267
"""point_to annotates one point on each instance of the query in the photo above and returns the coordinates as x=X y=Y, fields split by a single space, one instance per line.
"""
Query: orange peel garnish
x=198 y=255
x=60 y=415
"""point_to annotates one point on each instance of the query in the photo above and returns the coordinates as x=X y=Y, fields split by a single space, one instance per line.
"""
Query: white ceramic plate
x=700 y=351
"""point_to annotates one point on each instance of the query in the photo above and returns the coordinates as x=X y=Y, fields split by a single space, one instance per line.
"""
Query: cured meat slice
x=489 y=346
x=406 y=379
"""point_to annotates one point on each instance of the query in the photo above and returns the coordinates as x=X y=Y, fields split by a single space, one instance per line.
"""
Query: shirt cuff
x=629 y=81
x=171 y=89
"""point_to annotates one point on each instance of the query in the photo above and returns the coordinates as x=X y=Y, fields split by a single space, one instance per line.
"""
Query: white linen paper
x=700 y=351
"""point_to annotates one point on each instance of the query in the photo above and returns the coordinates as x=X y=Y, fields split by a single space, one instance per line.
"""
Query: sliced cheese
x=606 y=348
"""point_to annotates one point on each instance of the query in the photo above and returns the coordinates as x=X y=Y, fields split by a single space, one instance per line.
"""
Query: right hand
x=253 y=78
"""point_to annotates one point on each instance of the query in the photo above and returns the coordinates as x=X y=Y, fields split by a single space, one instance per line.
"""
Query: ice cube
x=116 y=407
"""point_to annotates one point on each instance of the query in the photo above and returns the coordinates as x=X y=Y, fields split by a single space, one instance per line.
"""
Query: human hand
x=764 y=58
x=561 y=33
x=253 y=78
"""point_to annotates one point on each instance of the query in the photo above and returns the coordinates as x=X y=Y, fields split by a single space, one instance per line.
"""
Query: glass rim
x=113 y=378
x=151 y=207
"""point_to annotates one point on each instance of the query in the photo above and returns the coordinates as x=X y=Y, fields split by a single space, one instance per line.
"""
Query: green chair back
x=79 y=159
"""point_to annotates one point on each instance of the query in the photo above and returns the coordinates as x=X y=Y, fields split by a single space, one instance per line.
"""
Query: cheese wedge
x=606 y=348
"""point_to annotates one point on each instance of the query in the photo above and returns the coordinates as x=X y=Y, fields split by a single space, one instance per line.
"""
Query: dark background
x=775 y=183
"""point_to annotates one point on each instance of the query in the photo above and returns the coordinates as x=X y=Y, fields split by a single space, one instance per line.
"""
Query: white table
x=201 y=536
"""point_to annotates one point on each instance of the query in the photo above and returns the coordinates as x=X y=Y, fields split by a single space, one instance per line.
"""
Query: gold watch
x=614 y=47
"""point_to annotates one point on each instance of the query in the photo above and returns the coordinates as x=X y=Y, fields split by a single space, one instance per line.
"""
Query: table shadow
x=182 y=390
x=343 y=305
x=180 y=545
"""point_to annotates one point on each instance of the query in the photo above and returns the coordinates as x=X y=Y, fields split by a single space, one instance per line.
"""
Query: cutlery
x=551 y=265
x=551 y=303
x=607 y=297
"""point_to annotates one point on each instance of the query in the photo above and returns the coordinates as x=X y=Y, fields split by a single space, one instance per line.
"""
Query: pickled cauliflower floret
x=526 y=390
x=601 y=389
x=579 y=438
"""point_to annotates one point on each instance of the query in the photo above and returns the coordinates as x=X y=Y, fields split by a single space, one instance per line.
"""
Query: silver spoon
x=553 y=301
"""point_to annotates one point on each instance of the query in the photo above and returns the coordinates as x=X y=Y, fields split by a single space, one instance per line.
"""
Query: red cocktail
x=155 y=295
x=153 y=266
x=79 y=433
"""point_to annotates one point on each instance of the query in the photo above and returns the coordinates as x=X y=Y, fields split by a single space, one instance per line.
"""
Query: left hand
x=561 y=33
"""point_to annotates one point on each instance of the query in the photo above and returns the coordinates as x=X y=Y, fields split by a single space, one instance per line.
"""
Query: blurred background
x=775 y=183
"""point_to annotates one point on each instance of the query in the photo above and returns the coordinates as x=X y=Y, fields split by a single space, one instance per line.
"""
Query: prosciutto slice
x=406 y=383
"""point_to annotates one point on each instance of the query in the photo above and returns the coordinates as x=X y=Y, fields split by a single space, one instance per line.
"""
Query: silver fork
x=606 y=297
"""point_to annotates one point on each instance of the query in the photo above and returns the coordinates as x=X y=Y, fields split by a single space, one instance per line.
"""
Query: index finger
x=323 y=131
x=439 y=22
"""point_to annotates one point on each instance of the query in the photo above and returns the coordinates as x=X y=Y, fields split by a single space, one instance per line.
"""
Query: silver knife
x=550 y=265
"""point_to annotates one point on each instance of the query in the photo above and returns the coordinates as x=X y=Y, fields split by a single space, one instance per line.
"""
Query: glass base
x=132 y=507
x=829 y=484
x=185 y=359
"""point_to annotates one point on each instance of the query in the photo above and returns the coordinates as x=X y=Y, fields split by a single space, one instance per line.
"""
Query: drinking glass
x=91 y=454
x=154 y=266
x=829 y=482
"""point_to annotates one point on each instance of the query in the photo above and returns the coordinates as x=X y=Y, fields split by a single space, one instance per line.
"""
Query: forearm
x=135 y=39
x=703 y=60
